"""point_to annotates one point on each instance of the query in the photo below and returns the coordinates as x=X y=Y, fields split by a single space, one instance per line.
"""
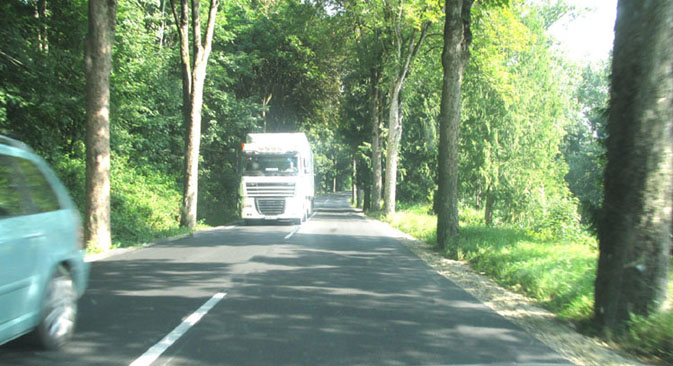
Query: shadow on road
x=322 y=298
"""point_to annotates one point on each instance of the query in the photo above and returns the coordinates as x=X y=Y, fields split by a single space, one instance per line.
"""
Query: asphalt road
x=337 y=290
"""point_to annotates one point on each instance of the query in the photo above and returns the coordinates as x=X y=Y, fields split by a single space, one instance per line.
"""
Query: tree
x=457 y=39
x=405 y=46
x=371 y=51
x=374 y=117
x=97 y=65
x=634 y=230
x=193 y=79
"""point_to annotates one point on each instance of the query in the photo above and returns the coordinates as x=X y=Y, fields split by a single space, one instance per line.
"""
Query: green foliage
x=418 y=158
x=513 y=124
x=146 y=94
x=145 y=203
x=584 y=145
x=652 y=336
x=286 y=52
x=42 y=81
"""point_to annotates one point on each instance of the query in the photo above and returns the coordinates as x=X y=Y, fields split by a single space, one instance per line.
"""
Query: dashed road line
x=155 y=351
x=288 y=236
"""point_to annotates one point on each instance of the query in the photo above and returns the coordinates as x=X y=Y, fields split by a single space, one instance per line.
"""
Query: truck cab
x=278 y=178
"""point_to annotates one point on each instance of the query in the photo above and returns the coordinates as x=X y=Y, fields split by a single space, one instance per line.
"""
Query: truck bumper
x=273 y=208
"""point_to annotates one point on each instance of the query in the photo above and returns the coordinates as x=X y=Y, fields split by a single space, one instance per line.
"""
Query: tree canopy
x=328 y=68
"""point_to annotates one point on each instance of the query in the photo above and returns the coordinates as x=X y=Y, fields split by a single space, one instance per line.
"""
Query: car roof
x=4 y=140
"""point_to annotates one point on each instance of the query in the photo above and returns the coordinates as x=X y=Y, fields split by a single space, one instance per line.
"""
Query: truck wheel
x=59 y=312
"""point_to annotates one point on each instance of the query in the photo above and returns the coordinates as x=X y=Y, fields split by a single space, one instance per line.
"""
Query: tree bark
x=182 y=25
x=488 y=210
x=354 y=181
x=634 y=228
x=375 y=103
x=457 y=39
x=97 y=67
x=393 y=148
x=193 y=80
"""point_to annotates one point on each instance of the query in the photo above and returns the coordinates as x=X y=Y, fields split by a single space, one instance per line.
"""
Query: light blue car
x=42 y=268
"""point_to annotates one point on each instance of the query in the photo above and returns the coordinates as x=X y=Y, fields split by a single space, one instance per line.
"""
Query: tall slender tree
x=634 y=229
x=404 y=49
x=457 y=39
x=193 y=79
x=97 y=66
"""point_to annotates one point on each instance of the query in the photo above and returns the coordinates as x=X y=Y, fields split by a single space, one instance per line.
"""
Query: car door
x=19 y=241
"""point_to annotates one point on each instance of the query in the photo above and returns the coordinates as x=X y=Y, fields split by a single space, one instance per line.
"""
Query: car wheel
x=59 y=312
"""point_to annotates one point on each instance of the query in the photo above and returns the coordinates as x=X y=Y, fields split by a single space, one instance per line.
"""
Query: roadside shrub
x=144 y=203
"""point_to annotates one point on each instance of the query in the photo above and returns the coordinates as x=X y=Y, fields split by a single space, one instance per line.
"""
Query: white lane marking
x=155 y=351
x=288 y=236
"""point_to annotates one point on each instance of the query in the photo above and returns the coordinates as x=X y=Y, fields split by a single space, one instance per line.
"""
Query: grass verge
x=557 y=272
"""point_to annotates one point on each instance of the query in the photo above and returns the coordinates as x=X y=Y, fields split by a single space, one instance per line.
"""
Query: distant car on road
x=42 y=268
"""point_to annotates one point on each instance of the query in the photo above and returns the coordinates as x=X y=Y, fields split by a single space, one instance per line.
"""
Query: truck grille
x=270 y=189
x=270 y=206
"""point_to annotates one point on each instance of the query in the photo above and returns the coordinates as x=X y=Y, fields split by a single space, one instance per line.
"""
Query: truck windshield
x=270 y=165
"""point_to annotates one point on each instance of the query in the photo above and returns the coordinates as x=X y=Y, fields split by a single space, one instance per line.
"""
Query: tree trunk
x=366 y=204
x=354 y=179
x=457 y=39
x=634 y=229
x=375 y=103
x=97 y=66
x=265 y=104
x=488 y=210
x=182 y=24
x=190 y=196
x=393 y=148
x=193 y=80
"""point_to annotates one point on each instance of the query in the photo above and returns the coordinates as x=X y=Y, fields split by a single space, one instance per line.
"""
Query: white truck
x=278 y=181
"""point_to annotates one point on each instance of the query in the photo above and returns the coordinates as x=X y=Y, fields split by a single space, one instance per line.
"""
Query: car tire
x=59 y=312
